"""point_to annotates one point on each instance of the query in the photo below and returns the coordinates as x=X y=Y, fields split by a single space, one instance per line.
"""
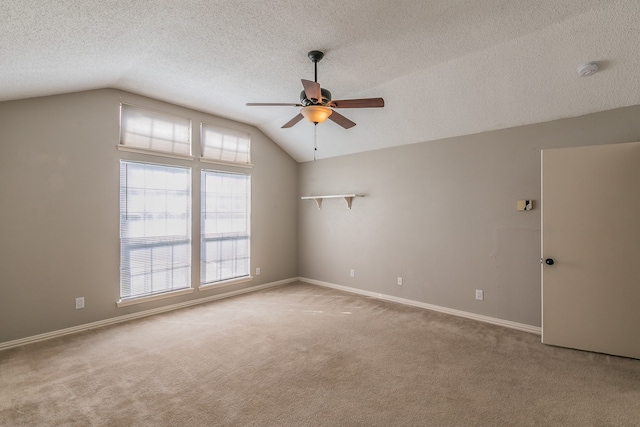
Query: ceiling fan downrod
x=315 y=56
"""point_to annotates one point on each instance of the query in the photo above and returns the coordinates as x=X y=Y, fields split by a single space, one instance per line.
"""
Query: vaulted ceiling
x=444 y=67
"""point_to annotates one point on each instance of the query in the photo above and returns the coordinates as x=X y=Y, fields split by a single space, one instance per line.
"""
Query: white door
x=591 y=236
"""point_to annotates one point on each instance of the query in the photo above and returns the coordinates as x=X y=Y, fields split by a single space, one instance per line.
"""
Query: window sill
x=133 y=301
x=154 y=153
x=223 y=163
x=214 y=285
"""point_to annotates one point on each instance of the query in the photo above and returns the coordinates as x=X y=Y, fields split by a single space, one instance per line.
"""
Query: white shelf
x=347 y=197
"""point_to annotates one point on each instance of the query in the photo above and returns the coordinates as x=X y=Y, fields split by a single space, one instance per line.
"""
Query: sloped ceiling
x=444 y=67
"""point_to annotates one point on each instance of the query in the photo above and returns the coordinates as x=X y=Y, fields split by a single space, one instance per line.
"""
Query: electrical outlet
x=352 y=273
x=79 y=303
x=479 y=294
x=257 y=271
x=399 y=281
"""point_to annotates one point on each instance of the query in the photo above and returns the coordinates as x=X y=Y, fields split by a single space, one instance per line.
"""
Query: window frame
x=231 y=280
x=145 y=297
x=173 y=160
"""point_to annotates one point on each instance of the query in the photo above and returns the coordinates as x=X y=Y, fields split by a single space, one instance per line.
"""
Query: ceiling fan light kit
x=317 y=105
x=316 y=113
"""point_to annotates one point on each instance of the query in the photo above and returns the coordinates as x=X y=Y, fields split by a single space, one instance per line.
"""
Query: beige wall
x=59 y=175
x=443 y=216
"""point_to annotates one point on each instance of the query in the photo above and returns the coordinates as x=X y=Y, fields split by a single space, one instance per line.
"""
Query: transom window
x=150 y=130
x=225 y=145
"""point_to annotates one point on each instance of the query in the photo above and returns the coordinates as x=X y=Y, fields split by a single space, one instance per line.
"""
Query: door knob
x=549 y=261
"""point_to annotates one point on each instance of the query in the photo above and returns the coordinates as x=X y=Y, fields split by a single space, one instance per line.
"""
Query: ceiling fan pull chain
x=315 y=140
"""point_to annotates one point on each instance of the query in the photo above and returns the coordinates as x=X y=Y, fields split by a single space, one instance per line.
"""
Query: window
x=225 y=225
x=156 y=206
x=155 y=229
x=151 y=130
x=220 y=144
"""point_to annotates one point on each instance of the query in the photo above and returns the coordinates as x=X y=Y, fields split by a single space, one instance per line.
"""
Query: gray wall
x=443 y=215
x=59 y=230
x=440 y=214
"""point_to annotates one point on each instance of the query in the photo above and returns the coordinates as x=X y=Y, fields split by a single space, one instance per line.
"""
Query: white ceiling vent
x=587 y=69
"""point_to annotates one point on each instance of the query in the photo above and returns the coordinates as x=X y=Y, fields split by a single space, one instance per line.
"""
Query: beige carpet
x=301 y=355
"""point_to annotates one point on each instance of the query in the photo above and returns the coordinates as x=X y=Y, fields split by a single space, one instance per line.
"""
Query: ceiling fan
x=316 y=102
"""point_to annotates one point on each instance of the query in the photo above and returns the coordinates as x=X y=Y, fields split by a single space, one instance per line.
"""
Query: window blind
x=154 y=131
x=155 y=229
x=225 y=145
x=225 y=226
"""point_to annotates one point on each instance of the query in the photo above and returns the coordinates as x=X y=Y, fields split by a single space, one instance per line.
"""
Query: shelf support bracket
x=348 y=199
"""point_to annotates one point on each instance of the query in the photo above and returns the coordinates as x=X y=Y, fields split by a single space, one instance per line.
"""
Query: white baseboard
x=145 y=313
x=111 y=321
x=500 y=322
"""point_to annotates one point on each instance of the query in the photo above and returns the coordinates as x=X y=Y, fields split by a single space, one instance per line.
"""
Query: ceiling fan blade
x=271 y=104
x=312 y=90
x=358 y=103
x=341 y=120
x=293 y=121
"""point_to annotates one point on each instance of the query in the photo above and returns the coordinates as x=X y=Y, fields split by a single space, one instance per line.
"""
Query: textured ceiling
x=444 y=67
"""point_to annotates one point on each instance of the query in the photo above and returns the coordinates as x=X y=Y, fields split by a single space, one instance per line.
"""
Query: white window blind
x=155 y=229
x=225 y=226
x=151 y=130
x=225 y=145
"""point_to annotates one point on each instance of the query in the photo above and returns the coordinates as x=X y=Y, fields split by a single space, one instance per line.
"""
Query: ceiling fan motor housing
x=326 y=98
